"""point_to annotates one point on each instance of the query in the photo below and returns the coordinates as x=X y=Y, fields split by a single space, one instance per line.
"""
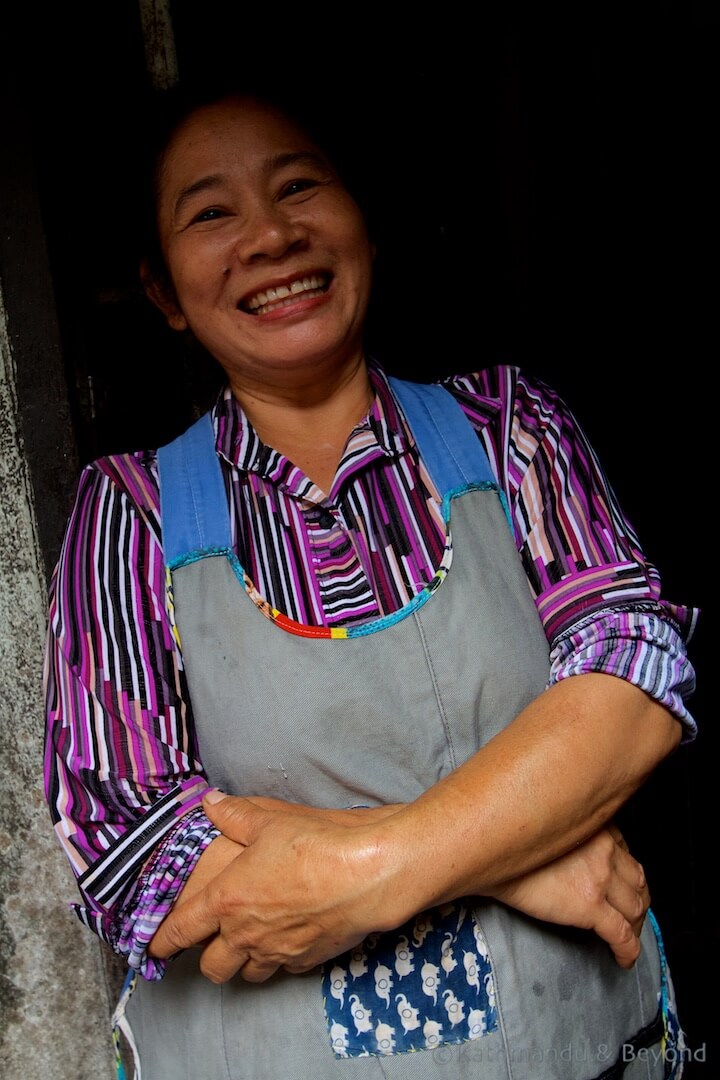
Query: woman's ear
x=162 y=296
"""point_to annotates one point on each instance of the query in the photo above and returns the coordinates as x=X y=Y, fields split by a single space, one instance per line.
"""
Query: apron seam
x=222 y=1028
x=436 y=689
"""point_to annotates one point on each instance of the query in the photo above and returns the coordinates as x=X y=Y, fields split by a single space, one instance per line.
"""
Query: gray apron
x=472 y=989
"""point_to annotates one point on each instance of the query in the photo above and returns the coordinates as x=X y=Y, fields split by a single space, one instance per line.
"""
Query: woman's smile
x=285 y=296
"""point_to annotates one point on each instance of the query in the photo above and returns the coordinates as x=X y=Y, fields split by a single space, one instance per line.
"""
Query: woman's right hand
x=281 y=887
x=598 y=886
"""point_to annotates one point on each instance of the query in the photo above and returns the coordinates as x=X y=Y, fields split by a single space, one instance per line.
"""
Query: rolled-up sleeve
x=634 y=645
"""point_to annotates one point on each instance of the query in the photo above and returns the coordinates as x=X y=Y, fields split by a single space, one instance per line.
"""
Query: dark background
x=546 y=194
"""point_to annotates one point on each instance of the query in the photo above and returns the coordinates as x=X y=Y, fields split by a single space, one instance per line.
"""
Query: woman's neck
x=310 y=425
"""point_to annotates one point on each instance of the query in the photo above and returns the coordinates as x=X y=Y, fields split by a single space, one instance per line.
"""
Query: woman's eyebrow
x=296 y=157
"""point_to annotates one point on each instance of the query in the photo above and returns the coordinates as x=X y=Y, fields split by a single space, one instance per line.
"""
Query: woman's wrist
x=401 y=876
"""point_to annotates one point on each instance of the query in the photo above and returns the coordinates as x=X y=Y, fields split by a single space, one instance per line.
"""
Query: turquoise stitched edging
x=504 y=503
x=396 y=616
x=453 y=493
x=237 y=567
x=195 y=556
x=352 y=632
x=663 y=965
x=673 y=1045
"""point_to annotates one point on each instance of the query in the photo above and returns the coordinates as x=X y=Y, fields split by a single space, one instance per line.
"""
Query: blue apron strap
x=193 y=500
x=447 y=442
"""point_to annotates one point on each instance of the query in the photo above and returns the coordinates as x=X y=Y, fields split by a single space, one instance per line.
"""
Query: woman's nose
x=268 y=233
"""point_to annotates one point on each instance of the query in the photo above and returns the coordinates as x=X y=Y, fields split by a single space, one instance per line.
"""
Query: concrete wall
x=54 y=998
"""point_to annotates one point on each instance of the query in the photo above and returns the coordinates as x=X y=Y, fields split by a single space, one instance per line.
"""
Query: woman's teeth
x=284 y=295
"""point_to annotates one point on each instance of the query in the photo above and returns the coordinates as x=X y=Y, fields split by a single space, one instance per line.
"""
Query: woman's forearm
x=544 y=784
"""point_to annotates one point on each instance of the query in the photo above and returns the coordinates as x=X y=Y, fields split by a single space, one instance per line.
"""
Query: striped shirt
x=123 y=773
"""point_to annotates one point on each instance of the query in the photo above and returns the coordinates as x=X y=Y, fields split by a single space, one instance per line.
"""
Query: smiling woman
x=346 y=685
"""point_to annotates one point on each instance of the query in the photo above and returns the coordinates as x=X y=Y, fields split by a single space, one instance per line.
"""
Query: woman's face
x=268 y=253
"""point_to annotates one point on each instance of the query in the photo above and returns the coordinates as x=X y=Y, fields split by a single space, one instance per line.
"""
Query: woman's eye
x=211 y=214
x=297 y=187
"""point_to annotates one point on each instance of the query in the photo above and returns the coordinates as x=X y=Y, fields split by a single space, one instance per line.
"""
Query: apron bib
x=368 y=716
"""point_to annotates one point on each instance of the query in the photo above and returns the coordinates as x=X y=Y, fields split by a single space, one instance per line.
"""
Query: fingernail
x=214 y=795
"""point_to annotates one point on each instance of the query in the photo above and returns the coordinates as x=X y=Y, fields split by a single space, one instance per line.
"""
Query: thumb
x=234 y=816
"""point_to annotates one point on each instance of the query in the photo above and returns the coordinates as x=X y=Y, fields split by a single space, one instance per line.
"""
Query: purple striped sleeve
x=122 y=775
x=599 y=598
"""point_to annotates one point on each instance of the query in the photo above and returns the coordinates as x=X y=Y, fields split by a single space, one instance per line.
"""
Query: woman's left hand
x=597 y=886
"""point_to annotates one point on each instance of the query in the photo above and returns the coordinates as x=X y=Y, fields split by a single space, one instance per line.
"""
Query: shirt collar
x=237 y=441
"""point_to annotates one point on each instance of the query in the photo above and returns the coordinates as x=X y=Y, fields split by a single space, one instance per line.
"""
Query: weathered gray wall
x=54 y=1007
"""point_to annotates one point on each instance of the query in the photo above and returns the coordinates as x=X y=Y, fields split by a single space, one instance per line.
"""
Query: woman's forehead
x=238 y=125
x=236 y=135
